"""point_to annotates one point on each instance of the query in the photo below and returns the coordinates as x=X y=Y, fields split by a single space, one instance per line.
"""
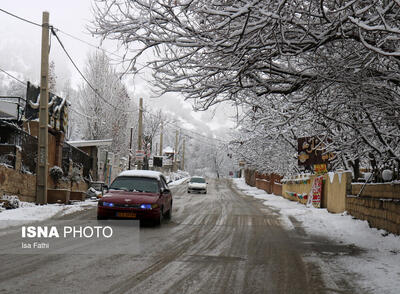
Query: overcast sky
x=20 y=51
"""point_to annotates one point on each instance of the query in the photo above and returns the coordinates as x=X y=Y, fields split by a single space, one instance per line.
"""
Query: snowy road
x=222 y=242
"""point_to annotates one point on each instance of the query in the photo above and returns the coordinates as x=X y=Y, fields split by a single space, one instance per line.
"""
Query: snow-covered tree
x=324 y=68
x=104 y=110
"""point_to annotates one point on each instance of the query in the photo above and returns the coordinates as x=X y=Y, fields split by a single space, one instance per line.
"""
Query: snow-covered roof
x=141 y=173
x=168 y=149
x=86 y=143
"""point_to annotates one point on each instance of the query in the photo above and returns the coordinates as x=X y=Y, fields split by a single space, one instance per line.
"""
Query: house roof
x=168 y=149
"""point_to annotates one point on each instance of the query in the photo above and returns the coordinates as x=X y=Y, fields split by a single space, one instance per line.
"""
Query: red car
x=137 y=194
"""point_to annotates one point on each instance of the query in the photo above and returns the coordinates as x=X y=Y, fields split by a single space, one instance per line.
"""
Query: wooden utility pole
x=42 y=168
x=140 y=131
x=176 y=151
x=183 y=156
x=130 y=149
x=161 y=138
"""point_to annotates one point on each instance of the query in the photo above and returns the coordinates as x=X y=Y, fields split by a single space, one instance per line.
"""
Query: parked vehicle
x=137 y=194
x=197 y=185
x=96 y=190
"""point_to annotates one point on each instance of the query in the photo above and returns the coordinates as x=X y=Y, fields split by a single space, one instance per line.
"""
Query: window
x=135 y=184
x=197 y=180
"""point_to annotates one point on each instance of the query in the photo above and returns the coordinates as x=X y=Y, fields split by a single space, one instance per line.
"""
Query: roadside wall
x=270 y=183
x=250 y=177
x=334 y=190
x=13 y=181
x=379 y=204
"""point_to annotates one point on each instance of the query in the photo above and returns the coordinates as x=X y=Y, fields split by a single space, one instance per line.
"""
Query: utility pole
x=42 y=168
x=161 y=138
x=130 y=149
x=176 y=151
x=140 y=131
x=183 y=156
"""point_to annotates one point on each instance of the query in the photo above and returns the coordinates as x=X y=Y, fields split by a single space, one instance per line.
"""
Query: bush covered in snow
x=56 y=173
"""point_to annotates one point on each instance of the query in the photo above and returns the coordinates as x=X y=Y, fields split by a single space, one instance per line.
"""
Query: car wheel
x=168 y=214
x=99 y=217
x=188 y=192
x=158 y=220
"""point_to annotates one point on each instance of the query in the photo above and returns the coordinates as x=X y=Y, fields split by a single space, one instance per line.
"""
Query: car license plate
x=126 y=214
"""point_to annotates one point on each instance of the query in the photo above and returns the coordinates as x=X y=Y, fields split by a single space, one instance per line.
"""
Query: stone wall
x=379 y=204
x=13 y=182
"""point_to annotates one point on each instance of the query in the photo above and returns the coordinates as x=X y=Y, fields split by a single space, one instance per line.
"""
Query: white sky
x=20 y=51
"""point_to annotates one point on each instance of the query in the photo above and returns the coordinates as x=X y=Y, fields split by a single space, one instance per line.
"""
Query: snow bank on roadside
x=178 y=182
x=28 y=212
x=379 y=265
x=177 y=178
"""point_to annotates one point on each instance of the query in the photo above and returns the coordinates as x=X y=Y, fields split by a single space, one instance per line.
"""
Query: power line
x=87 y=43
x=14 y=77
x=104 y=99
x=53 y=30
x=21 y=18
x=83 y=76
x=63 y=32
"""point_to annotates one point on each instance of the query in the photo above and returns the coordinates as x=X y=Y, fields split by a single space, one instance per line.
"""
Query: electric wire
x=104 y=99
x=20 y=18
x=53 y=31
x=11 y=76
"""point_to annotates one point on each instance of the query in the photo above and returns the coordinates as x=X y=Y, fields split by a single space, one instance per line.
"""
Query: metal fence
x=7 y=155
x=78 y=157
x=12 y=135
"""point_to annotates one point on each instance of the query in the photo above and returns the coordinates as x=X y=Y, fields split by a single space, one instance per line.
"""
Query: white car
x=197 y=185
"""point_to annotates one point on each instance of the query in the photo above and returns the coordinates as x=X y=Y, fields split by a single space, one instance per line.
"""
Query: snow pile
x=29 y=212
x=7 y=201
x=177 y=178
x=379 y=265
x=178 y=182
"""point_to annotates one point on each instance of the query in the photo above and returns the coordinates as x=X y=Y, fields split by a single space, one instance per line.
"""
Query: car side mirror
x=164 y=191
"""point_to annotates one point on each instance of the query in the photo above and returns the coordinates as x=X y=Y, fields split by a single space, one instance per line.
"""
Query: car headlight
x=148 y=206
x=145 y=206
x=109 y=204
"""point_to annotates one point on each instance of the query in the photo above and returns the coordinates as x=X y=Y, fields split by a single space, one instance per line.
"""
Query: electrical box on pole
x=42 y=168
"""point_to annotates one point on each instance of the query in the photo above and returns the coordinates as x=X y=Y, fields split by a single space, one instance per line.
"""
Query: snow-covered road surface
x=376 y=268
x=221 y=242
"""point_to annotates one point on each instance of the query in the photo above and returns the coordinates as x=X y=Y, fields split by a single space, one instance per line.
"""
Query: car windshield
x=139 y=184
x=197 y=180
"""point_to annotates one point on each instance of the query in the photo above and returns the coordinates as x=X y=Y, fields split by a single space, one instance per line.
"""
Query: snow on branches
x=319 y=67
